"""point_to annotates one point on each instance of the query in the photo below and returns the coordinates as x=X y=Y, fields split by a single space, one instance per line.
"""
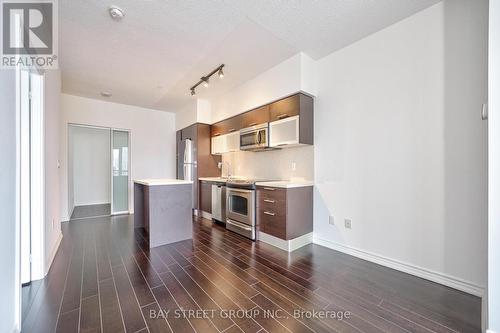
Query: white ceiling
x=162 y=47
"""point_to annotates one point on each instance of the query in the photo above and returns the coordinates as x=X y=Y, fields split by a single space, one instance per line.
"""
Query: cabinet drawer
x=274 y=206
x=274 y=225
x=270 y=193
x=287 y=107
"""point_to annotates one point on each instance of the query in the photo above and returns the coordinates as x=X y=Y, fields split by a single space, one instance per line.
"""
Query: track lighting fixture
x=205 y=80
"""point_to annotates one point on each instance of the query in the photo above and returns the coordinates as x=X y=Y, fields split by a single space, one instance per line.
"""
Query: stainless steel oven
x=240 y=211
x=255 y=137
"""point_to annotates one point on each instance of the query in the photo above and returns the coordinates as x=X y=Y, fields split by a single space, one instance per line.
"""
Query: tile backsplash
x=286 y=164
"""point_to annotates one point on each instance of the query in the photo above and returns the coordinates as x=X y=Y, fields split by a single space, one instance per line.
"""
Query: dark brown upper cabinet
x=286 y=107
x=226 y=126
x=255 y=117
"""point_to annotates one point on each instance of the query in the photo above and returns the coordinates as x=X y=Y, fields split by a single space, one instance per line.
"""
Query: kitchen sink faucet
x=220 y=166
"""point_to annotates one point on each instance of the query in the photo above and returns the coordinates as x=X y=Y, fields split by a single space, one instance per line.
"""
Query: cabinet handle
x=281 y=116
x=216 y=134
x=270 y=201
x=269 y=213
x=252 y=124
x=268 y=188
x=232 y=130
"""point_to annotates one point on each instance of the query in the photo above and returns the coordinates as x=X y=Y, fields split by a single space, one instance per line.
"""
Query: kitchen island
x=163 y=207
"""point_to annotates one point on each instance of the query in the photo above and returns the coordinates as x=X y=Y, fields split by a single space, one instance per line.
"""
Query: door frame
x=128 y=174
x=110 y=129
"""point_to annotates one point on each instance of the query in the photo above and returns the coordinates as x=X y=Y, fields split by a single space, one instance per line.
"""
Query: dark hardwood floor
x=106 y=279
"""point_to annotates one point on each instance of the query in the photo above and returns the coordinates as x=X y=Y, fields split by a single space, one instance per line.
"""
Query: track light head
x=205 y=81
x=193 y=92
x=220 y=73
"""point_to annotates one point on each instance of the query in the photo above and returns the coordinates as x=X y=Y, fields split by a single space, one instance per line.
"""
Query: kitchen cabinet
x=206 y=196
x=255 y=117
x=285 y=213
x=226 y=143
x=218 y=143
x=291 y=121
x=230 y=125
x=286 y=107
x=232 y=142
x=284 y=132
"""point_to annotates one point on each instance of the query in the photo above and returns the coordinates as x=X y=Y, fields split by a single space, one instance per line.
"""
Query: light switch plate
x=331 y=220
x=348 y=223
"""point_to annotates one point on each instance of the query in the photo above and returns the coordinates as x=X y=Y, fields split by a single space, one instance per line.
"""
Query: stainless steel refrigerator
x=186 y=163
x=187 y=160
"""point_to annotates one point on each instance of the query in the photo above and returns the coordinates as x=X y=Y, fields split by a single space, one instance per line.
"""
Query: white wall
x=494 y=168
x=187 y=116
x=9 y=279
x=52 y=172
x=196 y=111
x=152 y=135
x=400 y=147
x=91 y=172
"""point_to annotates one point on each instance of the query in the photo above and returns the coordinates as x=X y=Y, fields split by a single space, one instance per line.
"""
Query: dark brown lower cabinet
x=206 y=196
x=286 y=213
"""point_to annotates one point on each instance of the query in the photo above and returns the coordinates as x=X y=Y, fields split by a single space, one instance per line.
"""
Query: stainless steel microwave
x=255 y=137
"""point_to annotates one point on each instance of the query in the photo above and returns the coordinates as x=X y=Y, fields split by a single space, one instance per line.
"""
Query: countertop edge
x=162 y=182
x=285 y=184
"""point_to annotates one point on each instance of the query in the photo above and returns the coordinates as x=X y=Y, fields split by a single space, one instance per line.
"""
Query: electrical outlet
x=331 y=220
x=348 y=223
x=294 y=166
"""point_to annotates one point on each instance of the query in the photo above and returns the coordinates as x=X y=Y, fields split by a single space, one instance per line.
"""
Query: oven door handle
x=238 y=190
x=239 y=225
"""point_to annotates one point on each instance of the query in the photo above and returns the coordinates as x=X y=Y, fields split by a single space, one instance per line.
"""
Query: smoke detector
x=116 y=13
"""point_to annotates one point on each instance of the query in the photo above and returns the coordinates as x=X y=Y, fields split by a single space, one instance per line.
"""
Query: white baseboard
x=53 y=253
x=290 y=245
x=447 y=280
x=205 y=215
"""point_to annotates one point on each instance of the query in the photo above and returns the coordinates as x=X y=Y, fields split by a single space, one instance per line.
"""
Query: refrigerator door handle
x=187 y=172
x=188 y=151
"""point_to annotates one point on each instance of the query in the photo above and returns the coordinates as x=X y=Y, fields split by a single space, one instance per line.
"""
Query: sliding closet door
x=120 y=171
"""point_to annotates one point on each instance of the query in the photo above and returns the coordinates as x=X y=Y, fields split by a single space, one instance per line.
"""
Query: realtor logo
x=29 y=34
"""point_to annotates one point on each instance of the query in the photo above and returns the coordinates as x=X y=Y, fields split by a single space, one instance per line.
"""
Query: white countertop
x=286 y=183
x=166 y=181
x=213 y=179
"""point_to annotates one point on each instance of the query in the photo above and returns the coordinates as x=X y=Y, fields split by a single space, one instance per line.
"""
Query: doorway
x=98 y=171
x=32 y=187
